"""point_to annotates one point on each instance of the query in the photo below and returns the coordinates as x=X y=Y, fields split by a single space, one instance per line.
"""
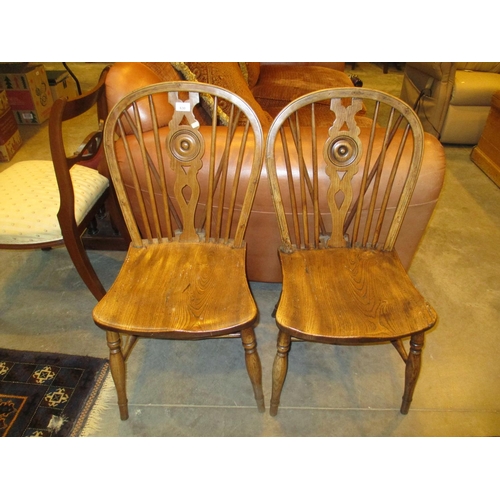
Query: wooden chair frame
x=170 y=172
x=89 y=152
x=325 y=252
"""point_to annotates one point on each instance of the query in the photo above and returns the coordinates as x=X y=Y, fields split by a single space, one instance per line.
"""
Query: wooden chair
x=44 y=204
x=343 y=282
x=184 y=275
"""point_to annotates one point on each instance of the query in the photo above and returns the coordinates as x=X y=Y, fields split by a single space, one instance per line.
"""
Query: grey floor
x=201 y=388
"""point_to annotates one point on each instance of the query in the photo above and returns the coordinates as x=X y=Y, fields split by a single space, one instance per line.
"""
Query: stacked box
x=10 y=138
x=28 y=91
x=61 y=85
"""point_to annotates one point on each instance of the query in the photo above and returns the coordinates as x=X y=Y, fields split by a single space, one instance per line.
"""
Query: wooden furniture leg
x=280 y=367
x=117 y=366
x=413 y=364
x=253 y=365
x=82 y=264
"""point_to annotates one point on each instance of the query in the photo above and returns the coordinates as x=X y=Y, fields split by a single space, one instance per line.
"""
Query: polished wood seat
x=175 y=292
x=343 y=282
x=184 y=276
x=370 y=295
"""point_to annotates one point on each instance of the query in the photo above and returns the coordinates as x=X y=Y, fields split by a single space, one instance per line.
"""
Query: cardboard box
x=28 y=91
x=61 y=85
x=10 y=138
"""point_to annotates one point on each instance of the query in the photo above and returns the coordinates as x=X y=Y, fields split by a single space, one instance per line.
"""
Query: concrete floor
x=202 y=389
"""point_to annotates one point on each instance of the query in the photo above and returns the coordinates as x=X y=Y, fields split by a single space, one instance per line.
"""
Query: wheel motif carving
x=342 y=151
x=185 y=144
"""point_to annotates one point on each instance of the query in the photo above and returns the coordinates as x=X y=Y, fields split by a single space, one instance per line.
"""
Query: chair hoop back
x=177 y=179
x=369 y=187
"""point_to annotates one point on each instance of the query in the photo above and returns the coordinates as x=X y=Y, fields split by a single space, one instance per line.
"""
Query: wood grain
x=179 y=290
x=349 y=295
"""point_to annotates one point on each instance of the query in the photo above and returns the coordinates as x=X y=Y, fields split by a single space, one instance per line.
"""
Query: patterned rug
x=45 y=394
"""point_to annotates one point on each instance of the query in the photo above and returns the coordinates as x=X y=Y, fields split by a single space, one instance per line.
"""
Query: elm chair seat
x=30 y=200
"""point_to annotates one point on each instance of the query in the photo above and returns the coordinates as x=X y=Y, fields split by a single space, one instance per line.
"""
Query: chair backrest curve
x=177 y=180
x=369 y=183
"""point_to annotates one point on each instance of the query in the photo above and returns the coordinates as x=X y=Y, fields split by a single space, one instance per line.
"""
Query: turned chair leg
x=280 y=367
x=253 y=365
x=413 y=364
x=117 y=367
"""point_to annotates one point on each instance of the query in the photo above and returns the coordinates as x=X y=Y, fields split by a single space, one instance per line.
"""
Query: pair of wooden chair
x=184 y=274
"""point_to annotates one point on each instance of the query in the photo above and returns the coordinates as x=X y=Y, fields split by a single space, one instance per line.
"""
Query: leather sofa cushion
x=474 y=88
x=280 y=84
x=339 y=66
x=262 y=236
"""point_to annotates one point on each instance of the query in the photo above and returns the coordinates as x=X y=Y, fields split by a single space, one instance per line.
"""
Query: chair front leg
x=413 y=364
x=117 y=367
x=280 y=368
x=253 y=365
x=82 y=263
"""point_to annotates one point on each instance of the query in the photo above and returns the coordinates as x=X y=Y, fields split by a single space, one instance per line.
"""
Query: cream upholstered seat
x=30 y=200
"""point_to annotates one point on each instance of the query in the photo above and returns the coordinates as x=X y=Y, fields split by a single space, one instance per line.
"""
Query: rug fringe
x=102 y=403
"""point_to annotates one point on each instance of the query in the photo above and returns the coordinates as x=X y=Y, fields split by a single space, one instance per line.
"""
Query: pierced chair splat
x=343 y=282
x=186 y=200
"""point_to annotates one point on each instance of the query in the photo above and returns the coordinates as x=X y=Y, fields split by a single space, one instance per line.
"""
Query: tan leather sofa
x=269 y=87
x=457 y=97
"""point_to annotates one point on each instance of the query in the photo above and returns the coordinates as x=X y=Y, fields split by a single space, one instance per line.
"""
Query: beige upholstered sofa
x=456 y=97
x=268 y=88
